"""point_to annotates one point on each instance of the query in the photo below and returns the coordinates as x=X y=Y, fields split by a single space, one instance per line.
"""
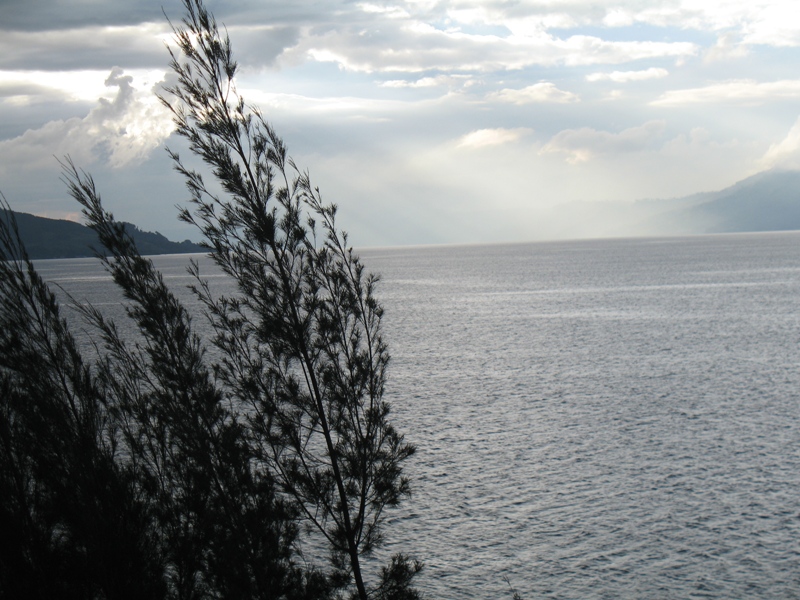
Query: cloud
x=335 y=107
x=538 y=92
x=19 y=91
x=626 y=76
x=412 y=46
x=67 y=86
x=728 y=47
x=582 y=144
x=425 y=82
x=451 y=81
x=617 y=17
x=786 y=153
x=121 y=131
x=392 y=12
x=86 y=48
x=763 y=22
x=775 y=23
x=379 y=36
x=261 y=45
x=447 y=85
x=735 y=91
x=491 y=137
x=768 y=21
x=67 y=14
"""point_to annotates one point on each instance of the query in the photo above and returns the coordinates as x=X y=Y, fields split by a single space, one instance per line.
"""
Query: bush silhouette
x=151 y=471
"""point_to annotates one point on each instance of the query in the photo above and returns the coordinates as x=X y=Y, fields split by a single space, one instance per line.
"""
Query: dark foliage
x=302 y=342
x=151 y=472
x=72 y=522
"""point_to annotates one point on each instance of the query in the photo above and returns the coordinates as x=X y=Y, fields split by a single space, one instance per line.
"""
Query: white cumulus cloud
x=617 y=17
x=776 y=23
x=122 y=131
x=626 y=76
x=538 y=92
x=728 y=47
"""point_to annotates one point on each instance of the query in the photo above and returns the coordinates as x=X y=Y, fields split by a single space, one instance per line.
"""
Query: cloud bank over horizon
x=426 y=121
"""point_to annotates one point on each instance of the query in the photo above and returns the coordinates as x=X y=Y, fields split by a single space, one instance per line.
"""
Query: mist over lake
x=594 y=419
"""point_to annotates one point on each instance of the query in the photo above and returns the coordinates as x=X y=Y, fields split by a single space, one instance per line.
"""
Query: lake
x=594 y=419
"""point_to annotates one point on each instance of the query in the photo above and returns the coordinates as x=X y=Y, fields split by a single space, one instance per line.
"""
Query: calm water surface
x=599 y=419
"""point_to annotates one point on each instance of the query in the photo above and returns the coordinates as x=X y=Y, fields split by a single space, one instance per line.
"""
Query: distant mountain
x=767 y=201
x=55 y=238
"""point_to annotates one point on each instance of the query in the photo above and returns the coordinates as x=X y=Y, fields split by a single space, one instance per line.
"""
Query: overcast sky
x=426 y=121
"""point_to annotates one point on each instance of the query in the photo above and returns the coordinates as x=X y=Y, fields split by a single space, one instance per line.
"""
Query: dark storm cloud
x=101 y=35
x=129 y=47
x=85 y=48
x=48 y=15
x=79 y=34
x=13 y=88
x=261 y=46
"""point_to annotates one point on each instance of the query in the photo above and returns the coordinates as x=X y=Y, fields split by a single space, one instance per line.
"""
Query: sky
x=425 y=121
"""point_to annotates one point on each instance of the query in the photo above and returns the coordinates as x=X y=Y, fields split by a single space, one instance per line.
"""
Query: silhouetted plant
x=302 y=340
x=225 y=533
x=154 y=473
x=72 y=523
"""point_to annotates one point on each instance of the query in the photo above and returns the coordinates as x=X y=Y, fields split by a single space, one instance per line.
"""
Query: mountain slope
x=55 y=238
x=767 y=201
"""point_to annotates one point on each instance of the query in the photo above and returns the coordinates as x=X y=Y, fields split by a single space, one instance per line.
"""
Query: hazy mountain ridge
x=767 y=201
x=57 y=238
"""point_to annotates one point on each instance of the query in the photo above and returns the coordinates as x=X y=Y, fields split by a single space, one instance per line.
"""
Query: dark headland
x=56 y=238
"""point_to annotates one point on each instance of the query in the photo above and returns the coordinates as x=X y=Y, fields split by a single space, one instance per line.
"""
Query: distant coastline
x=58 y=238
